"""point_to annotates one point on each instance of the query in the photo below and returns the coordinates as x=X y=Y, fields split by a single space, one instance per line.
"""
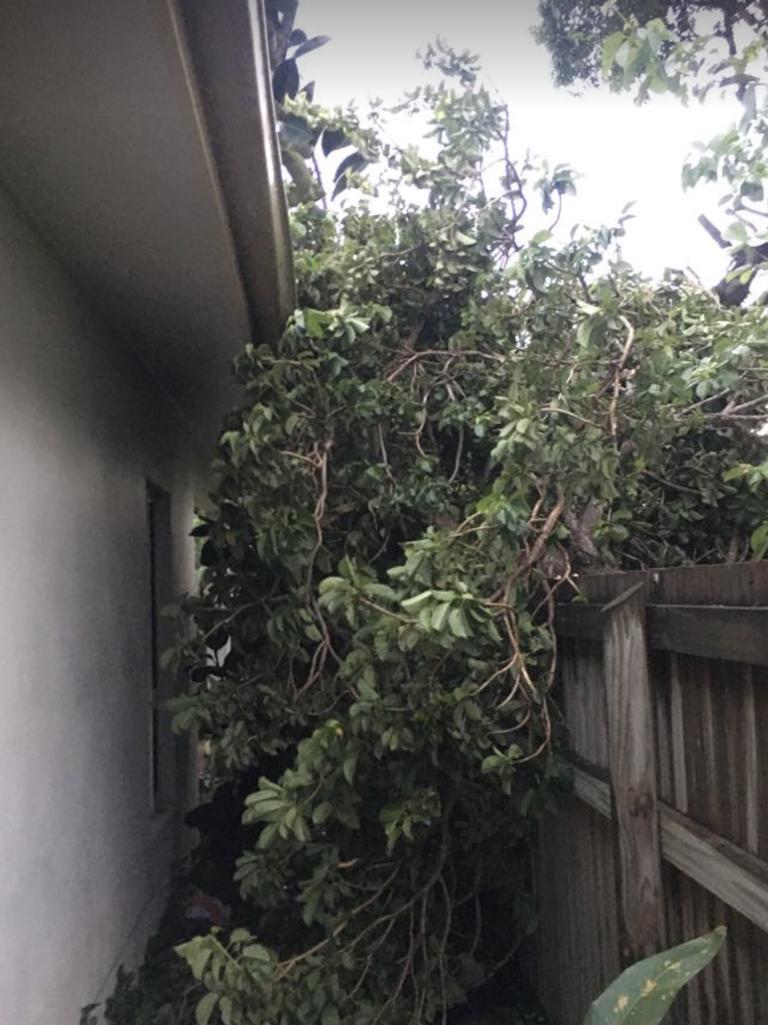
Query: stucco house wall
x=143 y=242
x=84 y=854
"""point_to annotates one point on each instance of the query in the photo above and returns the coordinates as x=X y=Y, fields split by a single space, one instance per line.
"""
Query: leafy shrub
x=460 y=416
x=161 y=992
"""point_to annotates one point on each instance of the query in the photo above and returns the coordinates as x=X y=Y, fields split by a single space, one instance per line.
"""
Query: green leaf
x=285 y=80
x=610 y=48
x=267 y=835
x=457 y=623
x=348 y=767
x=753 y=191
x=205 y=1008
x=626 y=57
x=333 y=139
x=225 y=1010
x=440 y=617
x=322 y=813
x=425 y=617
x=643 y=993
x=256 y=952
x=737 y=232
x=354 y=162
x=315 y=321
x=759 y=541
x=585 y=331
x=197 y=954
x=331 y=583
x=167 y=658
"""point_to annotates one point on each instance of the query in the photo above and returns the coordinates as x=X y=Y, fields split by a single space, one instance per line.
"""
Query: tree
x=657 y=48
x=575 y=31
x=459 y=416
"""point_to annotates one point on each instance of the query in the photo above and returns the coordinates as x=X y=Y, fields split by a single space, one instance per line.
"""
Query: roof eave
x=227 y=47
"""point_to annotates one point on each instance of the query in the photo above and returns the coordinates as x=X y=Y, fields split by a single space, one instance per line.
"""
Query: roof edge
x=225 y=48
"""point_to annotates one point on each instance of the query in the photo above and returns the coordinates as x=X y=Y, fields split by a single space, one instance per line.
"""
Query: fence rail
x=664 y=680
x=734 y=634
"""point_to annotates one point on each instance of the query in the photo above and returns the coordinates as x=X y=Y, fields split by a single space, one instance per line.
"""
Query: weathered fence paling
x=664 y=681
x=632 y=767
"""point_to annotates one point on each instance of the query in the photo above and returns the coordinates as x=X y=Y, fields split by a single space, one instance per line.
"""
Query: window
x=159 y=546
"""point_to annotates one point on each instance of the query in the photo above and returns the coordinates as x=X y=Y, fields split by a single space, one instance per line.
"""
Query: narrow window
x=159 y=538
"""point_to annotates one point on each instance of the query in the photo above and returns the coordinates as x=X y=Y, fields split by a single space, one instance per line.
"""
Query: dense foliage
x=575 y=31
x=460 y=416
x=675 y=48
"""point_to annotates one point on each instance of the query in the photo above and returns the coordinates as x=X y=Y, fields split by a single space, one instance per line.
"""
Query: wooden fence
x=664 y=690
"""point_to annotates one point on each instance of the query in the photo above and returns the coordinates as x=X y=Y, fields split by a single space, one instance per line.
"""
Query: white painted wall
x=83 y=859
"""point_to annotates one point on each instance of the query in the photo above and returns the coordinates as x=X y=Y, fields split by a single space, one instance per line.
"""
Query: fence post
x=632 y=764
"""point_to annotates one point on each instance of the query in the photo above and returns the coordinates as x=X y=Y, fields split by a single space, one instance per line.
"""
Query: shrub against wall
x=459 y=418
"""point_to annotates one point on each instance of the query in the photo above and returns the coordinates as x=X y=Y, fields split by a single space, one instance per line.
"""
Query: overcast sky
x=623 y=152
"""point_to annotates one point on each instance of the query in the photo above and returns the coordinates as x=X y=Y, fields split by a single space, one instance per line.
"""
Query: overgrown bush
x=460 y=417
x=161 y=992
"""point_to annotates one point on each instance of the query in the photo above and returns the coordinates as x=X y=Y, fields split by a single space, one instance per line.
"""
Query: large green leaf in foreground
x=642 y=994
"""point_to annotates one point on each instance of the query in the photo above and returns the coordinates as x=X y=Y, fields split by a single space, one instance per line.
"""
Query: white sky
x=622 y=151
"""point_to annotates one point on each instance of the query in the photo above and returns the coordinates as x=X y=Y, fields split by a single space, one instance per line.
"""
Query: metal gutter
x=226 y=43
